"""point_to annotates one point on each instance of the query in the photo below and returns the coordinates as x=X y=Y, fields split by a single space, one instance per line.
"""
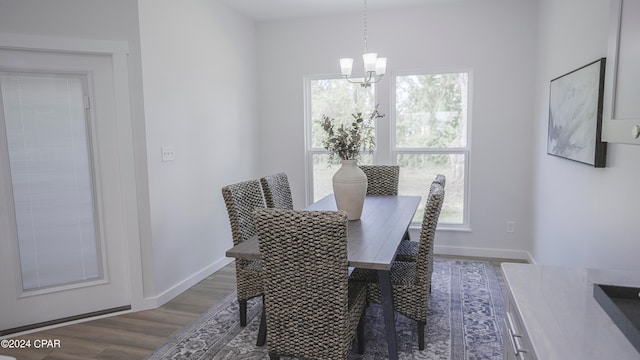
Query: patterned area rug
x=464 y=320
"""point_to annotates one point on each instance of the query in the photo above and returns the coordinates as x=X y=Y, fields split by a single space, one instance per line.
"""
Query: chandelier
x=374 y=67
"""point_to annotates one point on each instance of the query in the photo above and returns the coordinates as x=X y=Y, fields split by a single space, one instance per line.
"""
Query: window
x=427 y=122
x=430 y=137
x=337 y=99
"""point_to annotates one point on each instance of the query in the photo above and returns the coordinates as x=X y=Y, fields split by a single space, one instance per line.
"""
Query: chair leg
x=262 y=330
x=243 y=312
x=421 y=335
x=361 y=332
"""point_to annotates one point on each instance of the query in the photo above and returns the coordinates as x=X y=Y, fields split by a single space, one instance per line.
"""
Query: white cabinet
x=551 y=314
x=517 y=345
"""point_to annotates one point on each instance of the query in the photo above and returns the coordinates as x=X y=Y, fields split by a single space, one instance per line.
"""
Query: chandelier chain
x=365 y=26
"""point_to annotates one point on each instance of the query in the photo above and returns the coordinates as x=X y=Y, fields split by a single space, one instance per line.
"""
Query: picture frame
x=575 y=115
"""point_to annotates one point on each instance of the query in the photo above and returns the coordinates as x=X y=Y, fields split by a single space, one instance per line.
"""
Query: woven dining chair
x=277 y=192
x=410 y=281
x=382 y=179
x=441 y=179
x=241 y=199
x=312 y=310
x=408 y=250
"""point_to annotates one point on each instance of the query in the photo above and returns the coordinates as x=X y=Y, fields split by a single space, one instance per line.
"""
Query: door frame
x=118 y=52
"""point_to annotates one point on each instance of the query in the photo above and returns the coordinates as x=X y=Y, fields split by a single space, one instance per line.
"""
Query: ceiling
x=262 y=10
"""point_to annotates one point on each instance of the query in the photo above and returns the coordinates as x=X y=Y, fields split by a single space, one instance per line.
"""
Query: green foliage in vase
x=348 y=141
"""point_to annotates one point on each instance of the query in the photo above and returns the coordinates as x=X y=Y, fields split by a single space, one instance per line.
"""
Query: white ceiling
x=287 y=9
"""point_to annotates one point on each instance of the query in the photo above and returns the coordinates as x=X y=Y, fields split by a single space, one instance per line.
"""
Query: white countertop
x=560 y=315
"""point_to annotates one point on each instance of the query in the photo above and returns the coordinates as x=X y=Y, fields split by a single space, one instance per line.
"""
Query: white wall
x=199 y=96
x=584 y=216
x=493 y=38
x=198 y=60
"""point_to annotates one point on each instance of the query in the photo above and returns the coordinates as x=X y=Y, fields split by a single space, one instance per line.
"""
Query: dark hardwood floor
x=130 y=336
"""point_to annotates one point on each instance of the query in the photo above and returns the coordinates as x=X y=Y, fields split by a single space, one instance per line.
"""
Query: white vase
x=350 y=188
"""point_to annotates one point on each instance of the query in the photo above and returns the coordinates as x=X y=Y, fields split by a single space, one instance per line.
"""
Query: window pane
x=417 y=172
x=322 y=173
x=338 y=99
x=431 y=111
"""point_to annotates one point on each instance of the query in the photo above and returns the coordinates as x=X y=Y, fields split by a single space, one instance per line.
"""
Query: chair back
x=241 y=199
x=277 y=192
x=424 y=262
x=304 y=259
x=382 y=179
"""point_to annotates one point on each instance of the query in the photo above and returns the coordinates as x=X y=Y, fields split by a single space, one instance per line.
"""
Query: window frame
x=387 y=134
x=310 y=150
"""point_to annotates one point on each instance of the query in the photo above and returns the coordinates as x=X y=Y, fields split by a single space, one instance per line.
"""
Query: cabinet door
x=508 y=351
x=516 y=341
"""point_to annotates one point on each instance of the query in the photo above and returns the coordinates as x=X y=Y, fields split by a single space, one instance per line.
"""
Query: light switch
x=168 y=153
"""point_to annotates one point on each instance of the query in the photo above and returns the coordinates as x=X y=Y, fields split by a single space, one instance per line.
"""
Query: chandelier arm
x=376 y=78
x=370 y=75
x=369 y=79
x=351 y=81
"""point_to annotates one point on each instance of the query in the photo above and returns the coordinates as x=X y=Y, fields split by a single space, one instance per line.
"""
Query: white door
x=62 y=232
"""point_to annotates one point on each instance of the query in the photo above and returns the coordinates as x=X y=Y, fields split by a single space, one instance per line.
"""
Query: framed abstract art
x=575 y=115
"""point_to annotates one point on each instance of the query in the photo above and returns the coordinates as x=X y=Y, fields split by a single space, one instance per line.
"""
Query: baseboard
x=147 y=303
x=531 y=259
x=179 y=288
x=483 y=252
x=66 y=323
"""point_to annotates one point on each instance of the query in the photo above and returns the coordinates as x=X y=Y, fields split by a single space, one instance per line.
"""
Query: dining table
x=372 y=243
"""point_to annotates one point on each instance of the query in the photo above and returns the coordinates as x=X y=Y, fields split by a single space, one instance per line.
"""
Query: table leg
x=384 y=281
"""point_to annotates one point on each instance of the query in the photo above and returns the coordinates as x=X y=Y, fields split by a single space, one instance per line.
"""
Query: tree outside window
x=431 y=137
x=337 y=99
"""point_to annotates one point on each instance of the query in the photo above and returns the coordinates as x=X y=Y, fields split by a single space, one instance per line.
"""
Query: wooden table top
x=372 y=241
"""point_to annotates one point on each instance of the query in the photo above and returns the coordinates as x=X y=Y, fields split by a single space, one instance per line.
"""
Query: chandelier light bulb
x=370 y=61
x=346 y=66
x=381 y=66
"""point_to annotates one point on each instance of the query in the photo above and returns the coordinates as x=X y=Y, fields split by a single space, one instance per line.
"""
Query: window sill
x=445 y=227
